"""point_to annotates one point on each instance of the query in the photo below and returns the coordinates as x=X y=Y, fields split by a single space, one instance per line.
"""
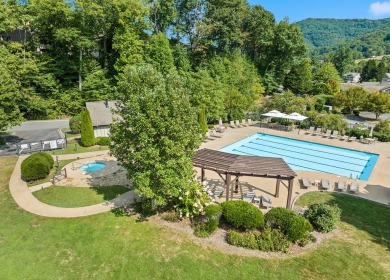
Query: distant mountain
x=331 y=32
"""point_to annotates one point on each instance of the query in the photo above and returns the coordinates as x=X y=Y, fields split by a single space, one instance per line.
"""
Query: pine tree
x=87 y=135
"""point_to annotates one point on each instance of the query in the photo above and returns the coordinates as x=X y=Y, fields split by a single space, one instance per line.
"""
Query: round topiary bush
x=323 y=217
x=213 y=210
x=75 y=124
x=48 y=157
x=242 y=214
x=34 y=168
x=293 y=225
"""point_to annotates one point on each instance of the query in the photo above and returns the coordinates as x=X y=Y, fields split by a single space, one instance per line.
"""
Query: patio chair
x=352 y=138
x=238 y=123
x=310 y=131
x=232 y=125
x=220 y=129
x=328 y=133
x=325 y=184
x=248 y=197
x=208 y=137
x=250 y=122
x=344 y=137
x=354 y=187
x=218 y=193
x=266 y=201
x=335 y=134
x=317 y=131
x=306 y=183
x=214 y=134
x=341 y=185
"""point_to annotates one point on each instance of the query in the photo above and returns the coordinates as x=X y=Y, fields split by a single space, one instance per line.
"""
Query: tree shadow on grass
x=110 y=192
x=365 y=215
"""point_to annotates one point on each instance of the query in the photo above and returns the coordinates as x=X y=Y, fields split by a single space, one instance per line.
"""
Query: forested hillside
x=331 y=32
x=55 y=56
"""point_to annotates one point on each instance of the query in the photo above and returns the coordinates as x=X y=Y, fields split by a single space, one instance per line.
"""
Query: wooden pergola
x=230 y=164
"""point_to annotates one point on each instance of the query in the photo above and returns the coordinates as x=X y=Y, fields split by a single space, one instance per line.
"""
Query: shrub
x=246 y=240
x=34 y=168
x=48 y=157
x=293 y=225
x=213 y=210
x=2 y=141
x=204 y=230
x=242 y=214
x=103 y=141
x=308 y=238
x=87 y=135
x=273 y=240
x=75 y=124
x=170 y=216
x=323 y=217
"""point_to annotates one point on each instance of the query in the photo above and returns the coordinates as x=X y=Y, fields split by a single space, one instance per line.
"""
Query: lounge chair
x=208 y=137
x=214 y=134
x=250 y=122
x=306 y=183
x=248 y=197
x=352 y=138
x=317 y=131
x=266 y=201
x=220 y=129
x=218 y=193
x=243 y=122
x=328 y=133
x=344 y=137
x=335 y=134
x=341 y=185
x=354 y=187
x=325 y=184
x=232 y=125
x=238 y=123
x=310 y=131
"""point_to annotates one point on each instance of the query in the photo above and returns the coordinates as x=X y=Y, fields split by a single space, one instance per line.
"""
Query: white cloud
x=380 y=8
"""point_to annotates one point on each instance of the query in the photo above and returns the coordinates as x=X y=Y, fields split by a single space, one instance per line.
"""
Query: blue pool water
x=93 y=166
x=305 y=155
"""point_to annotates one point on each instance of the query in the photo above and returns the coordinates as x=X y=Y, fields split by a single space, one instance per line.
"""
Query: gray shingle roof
x=101 y=114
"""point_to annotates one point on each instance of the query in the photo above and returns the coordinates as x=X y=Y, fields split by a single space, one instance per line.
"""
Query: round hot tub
x=93 y=166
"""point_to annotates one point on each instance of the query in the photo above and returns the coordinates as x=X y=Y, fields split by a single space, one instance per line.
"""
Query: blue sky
x=297 y=10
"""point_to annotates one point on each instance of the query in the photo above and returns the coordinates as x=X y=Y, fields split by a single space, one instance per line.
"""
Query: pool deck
x=377 y=188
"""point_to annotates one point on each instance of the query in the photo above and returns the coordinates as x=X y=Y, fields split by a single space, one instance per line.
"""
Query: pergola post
x=202 y=174
x=277 y=188
x=227 y=185
x=289 y=195
x=236 y=186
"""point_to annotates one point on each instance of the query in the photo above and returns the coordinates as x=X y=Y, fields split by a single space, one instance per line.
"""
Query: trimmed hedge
x=293 y=225
x=35 y=167
x=48 y=157
x=213 y=210
x=75 y=124
x=103 y=141
x=323 y=217
x=242 y=214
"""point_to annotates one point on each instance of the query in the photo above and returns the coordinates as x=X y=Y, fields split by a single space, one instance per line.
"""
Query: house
x=101 y=116
x=351 y=77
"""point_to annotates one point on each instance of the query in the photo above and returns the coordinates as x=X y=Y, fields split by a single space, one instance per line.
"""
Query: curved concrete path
x=26 y=200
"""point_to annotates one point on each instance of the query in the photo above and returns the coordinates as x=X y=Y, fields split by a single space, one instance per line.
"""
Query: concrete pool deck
x=377 y=188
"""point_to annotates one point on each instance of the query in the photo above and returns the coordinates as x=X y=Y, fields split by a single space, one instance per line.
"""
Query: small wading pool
x=92 y=166
x=305 y=155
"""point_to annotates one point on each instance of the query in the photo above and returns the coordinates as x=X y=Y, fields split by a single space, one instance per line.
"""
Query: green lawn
x=75 y=147
x=78 y=197
x=104 y=246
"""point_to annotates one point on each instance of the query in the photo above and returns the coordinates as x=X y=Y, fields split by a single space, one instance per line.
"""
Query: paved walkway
x=23 y=196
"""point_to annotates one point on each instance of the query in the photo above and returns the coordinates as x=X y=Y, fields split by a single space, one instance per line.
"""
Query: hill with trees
x=320 y=33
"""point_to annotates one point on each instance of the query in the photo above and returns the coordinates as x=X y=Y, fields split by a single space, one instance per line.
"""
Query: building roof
x=101 y=112
x=242 y=165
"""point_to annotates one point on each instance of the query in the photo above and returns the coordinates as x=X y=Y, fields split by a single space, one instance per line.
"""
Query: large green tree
x=378 y=103
x=160 y=53
x=326 y=79
x=353 y=98
x=157 y=133
x=299 y=79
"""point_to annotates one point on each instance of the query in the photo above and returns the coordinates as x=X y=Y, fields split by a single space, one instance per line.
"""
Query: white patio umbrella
x=274 y=114
x=370 y=135
x=296 y=117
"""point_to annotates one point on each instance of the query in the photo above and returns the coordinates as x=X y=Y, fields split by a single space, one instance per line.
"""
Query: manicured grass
x=69 y=197
x=108 y=247
x=75 y=147
x=62 y=163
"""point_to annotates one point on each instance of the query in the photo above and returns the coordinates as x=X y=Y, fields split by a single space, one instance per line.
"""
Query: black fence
x=38 y=146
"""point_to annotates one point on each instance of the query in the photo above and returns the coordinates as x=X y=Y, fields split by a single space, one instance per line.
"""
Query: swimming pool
x=305 y=155
x=93 y=166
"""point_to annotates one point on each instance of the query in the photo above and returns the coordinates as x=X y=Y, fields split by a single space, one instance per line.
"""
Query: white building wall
x=101 y=131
